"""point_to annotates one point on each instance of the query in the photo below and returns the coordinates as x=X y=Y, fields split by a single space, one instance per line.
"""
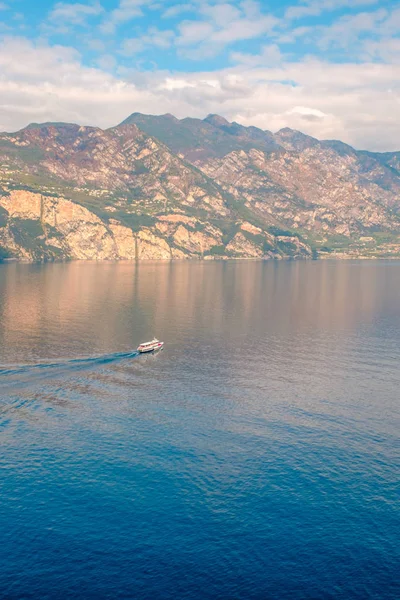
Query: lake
x=256 y=457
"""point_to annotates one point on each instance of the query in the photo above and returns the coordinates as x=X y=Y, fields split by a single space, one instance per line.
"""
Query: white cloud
x=193 y=32
x=178 y=9
x=391 y=26
x=75 y=14
x=153 y=38
x=311 y=8
x=221 y=14
x=270 y=55
x=244 y=29
x=349 y=33
x=307 y=111
x=347 y=29
x=159 y=39
x=222 y=24
x=291 y=35
x=127 y=11
x=107 y=62
x=170 y=84
x=132 y=46
x=387 y=50
x=357 y=103
x=95 y=44
x=3 y=6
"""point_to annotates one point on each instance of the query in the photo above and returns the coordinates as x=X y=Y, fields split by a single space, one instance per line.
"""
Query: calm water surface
x=256 y=457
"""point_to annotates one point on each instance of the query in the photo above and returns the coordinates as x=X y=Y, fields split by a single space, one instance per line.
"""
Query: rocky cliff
x=160 y=188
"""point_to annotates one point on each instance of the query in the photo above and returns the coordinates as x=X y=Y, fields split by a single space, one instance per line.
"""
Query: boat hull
x=154 y=348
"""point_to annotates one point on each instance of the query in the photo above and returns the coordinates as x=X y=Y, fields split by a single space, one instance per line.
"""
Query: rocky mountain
x=198 y=140
x=162 y=188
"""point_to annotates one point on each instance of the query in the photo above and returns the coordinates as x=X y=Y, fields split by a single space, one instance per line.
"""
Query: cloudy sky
x=330 y=68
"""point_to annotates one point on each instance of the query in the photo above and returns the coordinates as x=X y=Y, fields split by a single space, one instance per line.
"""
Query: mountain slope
x=322 y=189
x=129 y=184
x=159 y=187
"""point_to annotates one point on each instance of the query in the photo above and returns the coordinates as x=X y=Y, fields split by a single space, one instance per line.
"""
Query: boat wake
x=69 y=364
x=25 y=387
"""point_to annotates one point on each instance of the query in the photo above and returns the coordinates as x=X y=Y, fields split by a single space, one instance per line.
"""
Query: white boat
x=150 y=346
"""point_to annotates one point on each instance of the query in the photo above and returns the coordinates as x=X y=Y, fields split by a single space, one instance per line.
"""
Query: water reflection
x=92 y=307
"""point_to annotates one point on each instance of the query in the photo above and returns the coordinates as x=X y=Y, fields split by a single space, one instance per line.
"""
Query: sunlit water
x=256 y=457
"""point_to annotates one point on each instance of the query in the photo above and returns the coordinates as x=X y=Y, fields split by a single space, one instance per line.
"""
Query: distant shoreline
x=193 y=260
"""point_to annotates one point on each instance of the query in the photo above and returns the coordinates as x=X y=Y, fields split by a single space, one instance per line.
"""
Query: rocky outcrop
x=52 y=224
x=149 y=246
x=126 y=246
x=196 y=242
x=241 y=247
x=38 y=227
x=55 y=223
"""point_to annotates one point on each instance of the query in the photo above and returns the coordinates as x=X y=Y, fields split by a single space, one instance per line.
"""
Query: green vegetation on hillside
x=28 y=233
x=5 y=253
x=3 y=217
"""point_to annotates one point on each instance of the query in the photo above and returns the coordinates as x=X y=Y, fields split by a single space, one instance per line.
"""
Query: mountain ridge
x=207 y=119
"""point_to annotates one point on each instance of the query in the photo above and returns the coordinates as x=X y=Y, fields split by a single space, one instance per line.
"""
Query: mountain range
x=156 y=187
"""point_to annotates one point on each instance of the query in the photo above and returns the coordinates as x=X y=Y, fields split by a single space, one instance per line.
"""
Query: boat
x=150 y=346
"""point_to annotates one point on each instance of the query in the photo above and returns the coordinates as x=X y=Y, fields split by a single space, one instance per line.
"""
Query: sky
x=329 y=68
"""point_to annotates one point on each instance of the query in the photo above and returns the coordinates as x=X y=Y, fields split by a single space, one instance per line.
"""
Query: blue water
x=256 y=457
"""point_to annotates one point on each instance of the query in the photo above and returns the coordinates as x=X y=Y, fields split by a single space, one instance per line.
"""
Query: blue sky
x=330 y=68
